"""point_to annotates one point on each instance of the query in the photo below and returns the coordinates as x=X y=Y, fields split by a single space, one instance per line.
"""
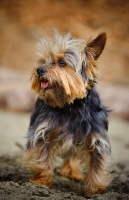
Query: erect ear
x=95 y=47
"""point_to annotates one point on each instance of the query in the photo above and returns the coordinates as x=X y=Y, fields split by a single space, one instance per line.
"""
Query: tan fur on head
x=71 y=81
x=63 y=79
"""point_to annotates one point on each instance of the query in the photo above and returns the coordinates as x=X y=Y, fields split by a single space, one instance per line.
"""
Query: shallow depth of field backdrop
x=22 y=24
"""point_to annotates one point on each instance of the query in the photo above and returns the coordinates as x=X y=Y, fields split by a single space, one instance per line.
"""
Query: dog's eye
x=62 y=63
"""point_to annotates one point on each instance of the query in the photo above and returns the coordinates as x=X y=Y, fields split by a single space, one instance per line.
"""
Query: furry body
x=69 y=119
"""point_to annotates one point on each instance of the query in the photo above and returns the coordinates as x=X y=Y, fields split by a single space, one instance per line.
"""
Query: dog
x=69 y=119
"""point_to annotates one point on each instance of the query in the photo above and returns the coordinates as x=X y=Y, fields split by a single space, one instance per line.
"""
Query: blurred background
x=23 y=23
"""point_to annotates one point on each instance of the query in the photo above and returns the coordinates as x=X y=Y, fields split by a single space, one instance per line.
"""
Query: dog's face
x=66 y=69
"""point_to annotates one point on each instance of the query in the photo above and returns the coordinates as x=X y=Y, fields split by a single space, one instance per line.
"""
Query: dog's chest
x=71 y=121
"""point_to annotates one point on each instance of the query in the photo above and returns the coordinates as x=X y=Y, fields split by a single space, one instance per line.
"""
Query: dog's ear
x=95 y=47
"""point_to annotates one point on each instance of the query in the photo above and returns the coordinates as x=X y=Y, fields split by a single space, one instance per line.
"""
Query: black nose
x=41 y=71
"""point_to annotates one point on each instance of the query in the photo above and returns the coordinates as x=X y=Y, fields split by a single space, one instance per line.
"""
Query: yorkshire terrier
x=69 y=119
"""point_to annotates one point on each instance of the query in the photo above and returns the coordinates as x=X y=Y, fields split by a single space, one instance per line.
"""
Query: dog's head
x=67 y=68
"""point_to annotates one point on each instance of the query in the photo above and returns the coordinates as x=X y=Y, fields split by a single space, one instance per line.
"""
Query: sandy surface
x=14 y=177
x=14 y=185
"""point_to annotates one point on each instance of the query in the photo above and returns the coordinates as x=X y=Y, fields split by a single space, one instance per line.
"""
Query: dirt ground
x=14 y=184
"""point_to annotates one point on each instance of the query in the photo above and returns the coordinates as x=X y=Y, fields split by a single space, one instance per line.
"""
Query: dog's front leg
x=37 y=157
x=100 y=165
